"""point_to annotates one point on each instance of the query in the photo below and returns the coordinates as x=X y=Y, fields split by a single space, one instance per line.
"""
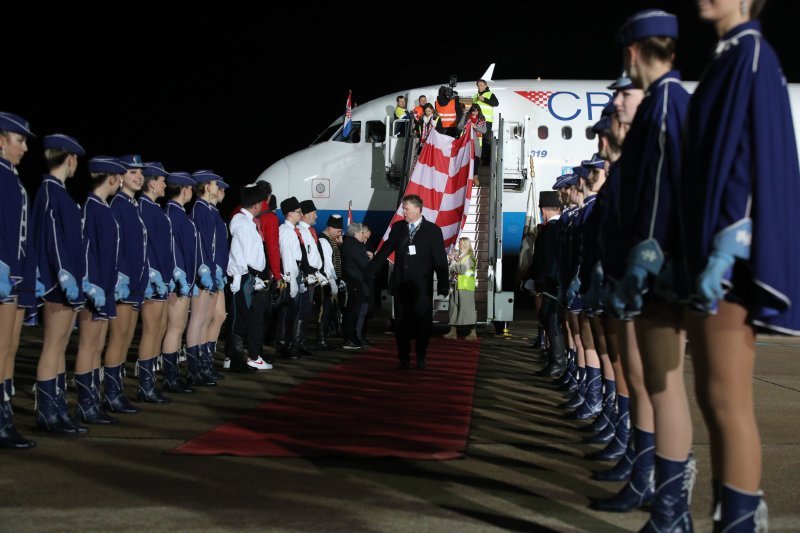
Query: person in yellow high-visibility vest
x=487 y=101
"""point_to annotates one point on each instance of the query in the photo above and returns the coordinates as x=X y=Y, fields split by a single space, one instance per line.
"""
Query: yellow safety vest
x=486 y=109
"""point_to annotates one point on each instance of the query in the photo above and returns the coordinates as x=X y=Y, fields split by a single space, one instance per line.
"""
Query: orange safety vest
x=447 y=114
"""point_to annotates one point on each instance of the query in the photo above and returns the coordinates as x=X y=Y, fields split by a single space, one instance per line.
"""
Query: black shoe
x=404 y=365
x=349 y=345
x=421 y=365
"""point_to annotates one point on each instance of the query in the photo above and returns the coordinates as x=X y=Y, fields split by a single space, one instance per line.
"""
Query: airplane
x=542 y=129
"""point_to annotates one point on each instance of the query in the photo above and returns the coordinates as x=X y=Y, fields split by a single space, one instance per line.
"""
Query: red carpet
x=363 y=407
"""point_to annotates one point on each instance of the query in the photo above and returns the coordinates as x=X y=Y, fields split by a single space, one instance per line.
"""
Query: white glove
x=334 y=286
x=311 y=280
x=321 y=279
x=259 y=285
x=236 y=283
x=529 y=285
x=293 y=288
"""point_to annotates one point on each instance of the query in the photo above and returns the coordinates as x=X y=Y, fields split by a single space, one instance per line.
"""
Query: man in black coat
x=354 y=263
x=419 y=252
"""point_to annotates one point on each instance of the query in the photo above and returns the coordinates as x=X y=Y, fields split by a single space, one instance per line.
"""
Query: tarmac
x=524 y=468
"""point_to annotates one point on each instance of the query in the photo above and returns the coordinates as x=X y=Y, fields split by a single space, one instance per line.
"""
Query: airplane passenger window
x=354 y=137
x=590 y=133
x=376 y=131
x=543 y=132
x=566 y=133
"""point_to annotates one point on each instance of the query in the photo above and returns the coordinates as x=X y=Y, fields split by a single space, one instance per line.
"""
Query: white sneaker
x=226 y=364
x=259 y=364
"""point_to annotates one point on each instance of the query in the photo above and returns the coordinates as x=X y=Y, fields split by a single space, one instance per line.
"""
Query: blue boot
x=673 y=494
x=63 y=408
x=608 y=415
x=147 y=391
x=196 y=375
x=115 y=401
x=10 y=438
x=741 y=511
x=593 y=397
x=47 y=418
x=88 y=409
x=638 y=491
x=210 y=350
x=172 y=375
x=622 y=470
x=576 y=397
x=616 y=448
x=570 y=377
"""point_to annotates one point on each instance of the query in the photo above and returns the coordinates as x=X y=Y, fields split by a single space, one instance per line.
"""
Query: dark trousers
x=249 y=309
x=413 y=318
x=355 y=302
x=551 y=316
x=287 y=316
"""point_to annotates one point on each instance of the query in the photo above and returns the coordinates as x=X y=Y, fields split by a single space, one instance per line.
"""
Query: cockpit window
x=354 y=137
x=328 y=133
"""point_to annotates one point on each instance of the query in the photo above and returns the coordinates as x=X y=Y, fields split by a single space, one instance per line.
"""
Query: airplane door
x=515 y=170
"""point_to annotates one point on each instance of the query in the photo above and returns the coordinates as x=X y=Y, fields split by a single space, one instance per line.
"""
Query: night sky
x=217 y=90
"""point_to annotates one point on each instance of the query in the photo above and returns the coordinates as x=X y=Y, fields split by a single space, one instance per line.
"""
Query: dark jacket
x=415 y=269
x=544 y=267
x=354 y=263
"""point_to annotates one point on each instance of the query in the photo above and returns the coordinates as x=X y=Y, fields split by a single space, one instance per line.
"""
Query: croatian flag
x=442 y=177
x=348 y=114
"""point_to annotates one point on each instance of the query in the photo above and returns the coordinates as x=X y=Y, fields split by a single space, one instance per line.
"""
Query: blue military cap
x=153 y=169
x=222 y=185
x=604 y=124
x=622 y=83
x=648 y=23
x=609 y=109
x=132 y=161
x=63 y=142
x=180 y=178
x=563 y=181
x=581 y=172
x=15 y=123
x=106 y=165
x=595 y=162
x=202 y=176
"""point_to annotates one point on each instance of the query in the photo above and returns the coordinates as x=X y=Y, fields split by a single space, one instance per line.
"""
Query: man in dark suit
x=419 y=252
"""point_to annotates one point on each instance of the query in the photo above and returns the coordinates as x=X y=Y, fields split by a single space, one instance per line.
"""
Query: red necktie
x=299 y=236
x=314 y=234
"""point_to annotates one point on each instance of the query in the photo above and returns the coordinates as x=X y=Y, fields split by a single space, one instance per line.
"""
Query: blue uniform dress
x=101 y=237
x=132 y=258
x=57 y=234
x=184 y=241
x=565 y=264
x=740 y=165
x=13 y=226
x=203 y=218
x=159 y=241
x=608 y=202
x=221 y=248
x=588 y=254
x=650 y=183
x=576 y=241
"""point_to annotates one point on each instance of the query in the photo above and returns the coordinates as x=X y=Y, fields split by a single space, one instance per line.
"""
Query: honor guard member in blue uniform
x=221 y=252
x=648 y=238
x=160 y=263
x=741 y=187
x=250 y=284
x=55 y=228
x=101 y=245
x=419 y=253
x=315 y=280
x=291 y=259
x=204 y=299
x=133 y=280
x=14 y=134
x=180 y=187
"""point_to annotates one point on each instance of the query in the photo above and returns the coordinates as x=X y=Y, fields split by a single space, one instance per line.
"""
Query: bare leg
x=575 y=330
x=121 y=335
x=8 y=313
x=177 y=313
x=601 y=346
x=217 y=317
x=587 y=340
x=661 y=339
x=641 y=408
x=58 y=320
x=198 y=321
x=91 y=342
x=152 y=318
x=19 y=318
x=614 y=353
x=723 y=348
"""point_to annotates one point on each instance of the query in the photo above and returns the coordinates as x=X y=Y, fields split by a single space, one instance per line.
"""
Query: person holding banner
x=462 y=299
